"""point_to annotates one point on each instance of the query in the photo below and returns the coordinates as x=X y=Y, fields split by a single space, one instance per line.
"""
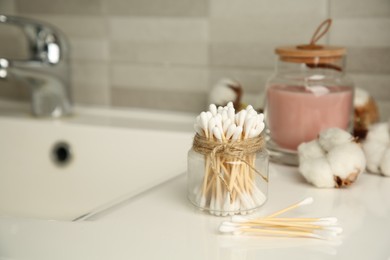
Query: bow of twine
x=234 y=150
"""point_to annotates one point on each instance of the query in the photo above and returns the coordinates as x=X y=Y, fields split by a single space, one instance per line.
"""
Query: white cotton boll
x=347 y=161
x=317 y=171
x=379 y=132
x=332 y=137
x=361 y=97
x=385 y=164
x=374 y=151
x=310 y=150
x=332 y=160
x=377 y=149
x=222 y=93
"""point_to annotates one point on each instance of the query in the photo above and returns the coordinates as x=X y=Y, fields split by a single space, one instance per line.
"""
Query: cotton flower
x=365 y=112
x=377 y=149
x=226 y=90
x=331 y=160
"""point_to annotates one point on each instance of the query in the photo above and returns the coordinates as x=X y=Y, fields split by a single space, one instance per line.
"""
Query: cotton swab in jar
x=222 y=124
x=213 y=109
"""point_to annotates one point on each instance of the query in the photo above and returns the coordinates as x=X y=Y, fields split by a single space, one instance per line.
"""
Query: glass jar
x=308 y=92
x=227 y=185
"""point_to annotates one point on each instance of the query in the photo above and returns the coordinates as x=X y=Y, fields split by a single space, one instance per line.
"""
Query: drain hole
x=61 y=153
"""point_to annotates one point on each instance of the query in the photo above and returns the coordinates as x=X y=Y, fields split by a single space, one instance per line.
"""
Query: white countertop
x=161 y=224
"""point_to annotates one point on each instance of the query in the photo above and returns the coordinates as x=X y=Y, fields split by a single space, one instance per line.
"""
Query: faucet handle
x=46 y=44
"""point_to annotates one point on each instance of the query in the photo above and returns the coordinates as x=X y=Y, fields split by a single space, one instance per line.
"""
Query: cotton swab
x=213 y=109
x=321 y=228
x=230 y=131
x=323 y=221
x=222 y=124
x=319 y=234
x=306 y=201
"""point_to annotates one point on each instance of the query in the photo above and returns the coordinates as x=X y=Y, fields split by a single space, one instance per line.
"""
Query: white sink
x=111 y=156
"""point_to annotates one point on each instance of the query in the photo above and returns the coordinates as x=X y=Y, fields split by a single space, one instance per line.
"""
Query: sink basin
x=71 y=168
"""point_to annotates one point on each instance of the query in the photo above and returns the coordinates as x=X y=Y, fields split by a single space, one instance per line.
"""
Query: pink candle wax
x=296 y=115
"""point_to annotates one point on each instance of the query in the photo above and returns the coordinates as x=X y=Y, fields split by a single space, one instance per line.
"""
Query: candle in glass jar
x=296 y=114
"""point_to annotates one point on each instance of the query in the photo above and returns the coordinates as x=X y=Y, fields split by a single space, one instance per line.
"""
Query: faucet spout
x=46 y=72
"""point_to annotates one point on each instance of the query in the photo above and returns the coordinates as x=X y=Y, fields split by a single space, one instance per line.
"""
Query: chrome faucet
x=46 y=71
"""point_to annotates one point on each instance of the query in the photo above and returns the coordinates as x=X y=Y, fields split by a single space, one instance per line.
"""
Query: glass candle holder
x=309 y=92
x=226 y=185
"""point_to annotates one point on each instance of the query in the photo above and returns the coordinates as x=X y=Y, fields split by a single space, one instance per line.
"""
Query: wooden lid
x=313 y=53
x=310 y=51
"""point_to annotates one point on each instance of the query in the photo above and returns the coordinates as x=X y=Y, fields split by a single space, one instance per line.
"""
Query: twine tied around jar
x=240 y=150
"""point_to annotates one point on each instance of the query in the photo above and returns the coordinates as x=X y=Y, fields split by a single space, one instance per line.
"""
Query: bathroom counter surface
x=161 y=224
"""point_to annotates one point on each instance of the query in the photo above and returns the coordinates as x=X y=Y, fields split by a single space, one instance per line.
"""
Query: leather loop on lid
x=305 y=52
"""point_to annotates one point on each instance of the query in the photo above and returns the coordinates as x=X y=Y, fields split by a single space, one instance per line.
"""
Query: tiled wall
x=167 y=54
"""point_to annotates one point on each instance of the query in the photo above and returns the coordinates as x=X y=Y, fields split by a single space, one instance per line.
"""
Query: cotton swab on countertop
x=321 y=228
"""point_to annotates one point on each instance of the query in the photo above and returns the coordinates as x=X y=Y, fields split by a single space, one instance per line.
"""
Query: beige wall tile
x=160 y=52
x=369 y=59
x=84 y=73
x=89 y=49
x=168 y=54
x=264 y=30
x=7 y=7
x=77 y=26
x=59 y=6
x=90 y=83
x=384 y=110
x=242 y=55
x=258 y=8
x=14 y=90
x=91 y=94
x=359 y=8
x=13 y=42
x=368 y=32
x=183 y=79
x=157 y=7
x=159 y=29
x=159 y=99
